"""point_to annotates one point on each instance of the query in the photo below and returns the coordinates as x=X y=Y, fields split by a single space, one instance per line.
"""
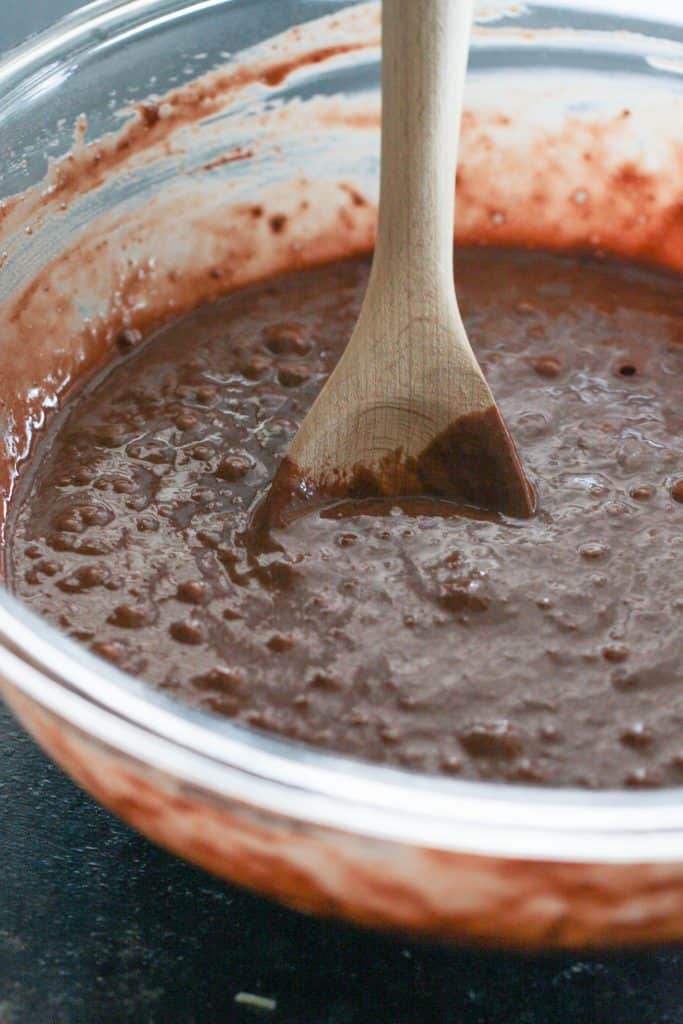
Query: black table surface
x=97 y=926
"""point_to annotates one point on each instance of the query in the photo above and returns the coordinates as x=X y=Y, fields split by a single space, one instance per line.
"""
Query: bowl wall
x=150 y=153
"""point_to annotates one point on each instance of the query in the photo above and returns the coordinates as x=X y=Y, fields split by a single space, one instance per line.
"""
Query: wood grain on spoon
x=407 y=410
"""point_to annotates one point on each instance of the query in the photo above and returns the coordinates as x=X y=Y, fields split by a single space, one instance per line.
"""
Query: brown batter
x=546 y=651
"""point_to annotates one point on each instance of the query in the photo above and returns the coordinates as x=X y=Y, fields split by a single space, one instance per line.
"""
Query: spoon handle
x=425 y=45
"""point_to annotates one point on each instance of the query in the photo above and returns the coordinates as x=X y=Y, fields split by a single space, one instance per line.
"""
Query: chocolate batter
x=548 y=650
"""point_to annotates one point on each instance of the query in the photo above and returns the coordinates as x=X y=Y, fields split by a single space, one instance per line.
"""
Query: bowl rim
x=293 y=780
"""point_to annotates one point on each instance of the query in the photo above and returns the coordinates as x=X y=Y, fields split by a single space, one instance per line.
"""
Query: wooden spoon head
x=382 y=429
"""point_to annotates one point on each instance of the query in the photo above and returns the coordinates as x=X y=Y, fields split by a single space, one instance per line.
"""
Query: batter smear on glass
x=541 y=651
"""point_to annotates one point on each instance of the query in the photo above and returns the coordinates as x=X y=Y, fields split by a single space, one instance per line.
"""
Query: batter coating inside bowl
x=545 y=651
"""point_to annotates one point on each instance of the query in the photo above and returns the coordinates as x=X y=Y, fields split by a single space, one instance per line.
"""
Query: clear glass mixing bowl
x=388 y=848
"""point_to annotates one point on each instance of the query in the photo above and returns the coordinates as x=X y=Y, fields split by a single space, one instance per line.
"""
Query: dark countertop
x=97 y=926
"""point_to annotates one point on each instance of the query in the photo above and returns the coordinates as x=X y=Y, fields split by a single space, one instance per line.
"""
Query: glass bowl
x=138 y=137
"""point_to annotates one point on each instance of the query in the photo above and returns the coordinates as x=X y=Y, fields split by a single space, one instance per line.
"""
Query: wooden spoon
x=407 y=410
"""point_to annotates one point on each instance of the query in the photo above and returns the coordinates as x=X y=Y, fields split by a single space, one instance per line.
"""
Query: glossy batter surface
x=546 y=651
